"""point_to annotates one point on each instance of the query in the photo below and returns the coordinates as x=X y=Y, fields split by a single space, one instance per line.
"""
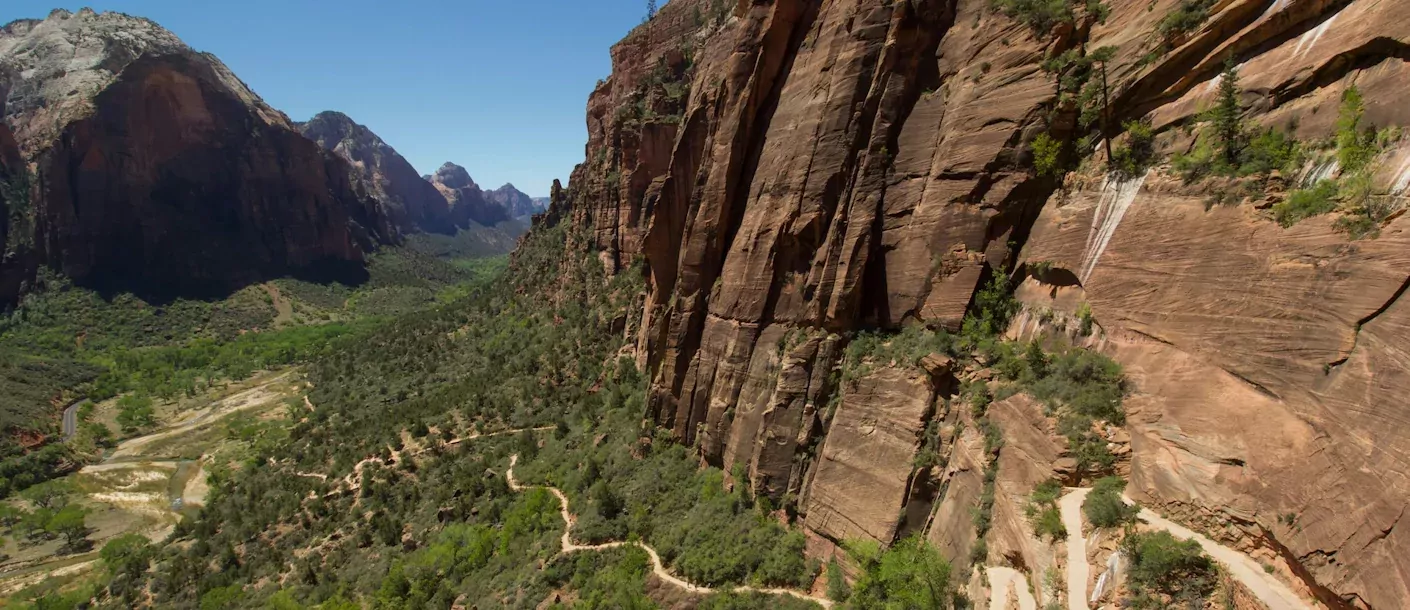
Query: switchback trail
x=657 y=567
x=1268 y=589
x=1274 y=594
x=1000 y=581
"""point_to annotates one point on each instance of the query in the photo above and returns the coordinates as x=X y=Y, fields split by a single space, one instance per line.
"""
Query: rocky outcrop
x=412 y=203
x=786 y=171
x=156 y=170
x=515 y=202
x=468 y=202
x=864 y=471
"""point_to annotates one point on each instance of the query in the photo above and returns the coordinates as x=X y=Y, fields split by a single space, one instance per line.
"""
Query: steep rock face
x=412 y=203
x=468 y=202
x=788 y=169
x=157 y=170
x=514 y=201
x=16 y=257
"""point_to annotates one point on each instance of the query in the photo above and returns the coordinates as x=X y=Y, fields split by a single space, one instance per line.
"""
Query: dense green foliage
x=1353 y=192
x=706 y=534
x=1043 y=510
x=1184 y=18
x=433 y=521
x=1228 y=147
x=910 y=574
x=1042 y=15
x=1137 y=151
x=1167 y=573
x=1306 y=203
x=64 y=341
x=51 y=516
x=1080 y=387
x=1104 y=506
x=1047 y=156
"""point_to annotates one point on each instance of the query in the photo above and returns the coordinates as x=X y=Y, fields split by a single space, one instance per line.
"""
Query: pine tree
x=1226 y=115
x=650 y=9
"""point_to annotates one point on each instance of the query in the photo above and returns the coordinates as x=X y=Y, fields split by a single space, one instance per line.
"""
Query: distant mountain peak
x=454 y=176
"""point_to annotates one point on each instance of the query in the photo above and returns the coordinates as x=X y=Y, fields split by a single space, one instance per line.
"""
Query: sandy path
x=1079 y=573
x=15 y=584
x=657 y=567
x=196 y=489
x=1267 y=588
x=1001 y=580
x=257 y=396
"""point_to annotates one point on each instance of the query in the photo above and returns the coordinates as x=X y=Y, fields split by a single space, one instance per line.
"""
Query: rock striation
x=154 y=169
x=787 y=173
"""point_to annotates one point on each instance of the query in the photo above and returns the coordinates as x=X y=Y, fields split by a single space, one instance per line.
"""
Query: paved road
x=71 y=420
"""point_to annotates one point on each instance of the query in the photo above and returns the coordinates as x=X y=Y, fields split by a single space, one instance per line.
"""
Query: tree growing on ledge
x=1228 y=125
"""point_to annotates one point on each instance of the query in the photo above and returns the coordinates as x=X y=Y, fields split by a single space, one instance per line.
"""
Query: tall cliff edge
x=788 y=173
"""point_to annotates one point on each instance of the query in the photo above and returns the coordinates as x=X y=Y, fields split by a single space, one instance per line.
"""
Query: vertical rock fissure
x=790 y=20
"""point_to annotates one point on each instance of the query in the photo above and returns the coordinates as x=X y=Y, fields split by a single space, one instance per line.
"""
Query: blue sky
x=499 y=87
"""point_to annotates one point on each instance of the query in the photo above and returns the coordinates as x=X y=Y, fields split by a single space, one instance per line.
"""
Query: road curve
x=657 y=567
x=1078 y=571
x=70 y=420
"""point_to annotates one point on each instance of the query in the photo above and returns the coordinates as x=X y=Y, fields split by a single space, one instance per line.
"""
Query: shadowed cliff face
x=157 y=171
x=786 y=173
x=16 y=257
x=515 y=201
x=468 y=203
x=412 y=202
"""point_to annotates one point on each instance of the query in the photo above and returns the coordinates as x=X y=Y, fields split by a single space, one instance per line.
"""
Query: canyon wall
x=154 y=169
x=787 y=173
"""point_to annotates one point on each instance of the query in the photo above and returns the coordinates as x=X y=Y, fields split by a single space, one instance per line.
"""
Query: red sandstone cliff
x=788 y=172
x=157 y=170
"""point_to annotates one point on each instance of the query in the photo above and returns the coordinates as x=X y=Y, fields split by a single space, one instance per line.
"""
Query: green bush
x=1105 y=508
x=1137 y=152
x=1186 y=17
x=1356 y=148
x=1270 y=150
x=1047 y=156
x=837 y=588
x=1167 y=573
x=1306 y=203
x=909 y=574
x=1043 y=510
